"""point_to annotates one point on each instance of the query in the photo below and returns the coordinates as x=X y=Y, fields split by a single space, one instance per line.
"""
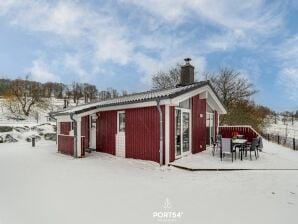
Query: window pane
x=121 y=122
x=178 y=132
x=185 y=104
x=185 y=132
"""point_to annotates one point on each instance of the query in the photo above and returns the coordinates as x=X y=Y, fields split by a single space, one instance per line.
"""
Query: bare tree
x=124 y=93
x=232 y=87
x=76 y=92
x=104 y=95
x=23 y=95
x=168 y=79
x=89 y=92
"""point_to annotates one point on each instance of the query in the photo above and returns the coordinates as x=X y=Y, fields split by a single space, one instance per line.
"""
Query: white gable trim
x=222 y=109
x=205 y=92
x=188 y=95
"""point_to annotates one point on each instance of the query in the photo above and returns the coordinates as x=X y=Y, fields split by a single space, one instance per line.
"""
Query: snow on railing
x=242 y=126
x=248 y=131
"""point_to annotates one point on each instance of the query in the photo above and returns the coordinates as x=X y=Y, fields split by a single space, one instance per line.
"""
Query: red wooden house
x=159 y=125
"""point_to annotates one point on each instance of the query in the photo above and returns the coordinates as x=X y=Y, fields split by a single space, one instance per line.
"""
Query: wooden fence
x=281 y=140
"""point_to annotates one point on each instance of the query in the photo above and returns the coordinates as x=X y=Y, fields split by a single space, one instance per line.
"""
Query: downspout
x=75 y=135
x=160 y=133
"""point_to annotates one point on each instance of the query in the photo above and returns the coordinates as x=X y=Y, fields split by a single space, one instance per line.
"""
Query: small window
x=185 y=104
x=121 y=122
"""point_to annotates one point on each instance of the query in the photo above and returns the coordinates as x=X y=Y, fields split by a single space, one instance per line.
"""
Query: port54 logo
x=167 y=213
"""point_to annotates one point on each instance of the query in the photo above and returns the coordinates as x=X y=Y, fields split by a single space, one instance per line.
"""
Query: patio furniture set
x=229 y=146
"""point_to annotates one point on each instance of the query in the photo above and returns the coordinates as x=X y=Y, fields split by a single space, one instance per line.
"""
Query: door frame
x=92 y=136
x=120 y=149
x=189 y=132
x=211 y=133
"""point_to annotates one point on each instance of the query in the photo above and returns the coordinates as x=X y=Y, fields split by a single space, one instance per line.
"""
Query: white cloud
x=150 y=66
x=231 y=14
x=288 y=51
x=39 y=72
x=288 y=80
x=76 y=25
x=113 y=47
x=241 y=23
x=98 y=34
x=74 y=64
x=287 y=54
x=63 y=18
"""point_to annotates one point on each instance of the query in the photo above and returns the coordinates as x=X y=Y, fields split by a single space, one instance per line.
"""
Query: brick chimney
x=187 y=73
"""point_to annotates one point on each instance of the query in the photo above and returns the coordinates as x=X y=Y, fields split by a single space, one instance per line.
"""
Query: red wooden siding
x=65 y=128
x=65 y=144
x=198 y=124
x=248 y=133
x=172 y=134
x=142 y=133
x=106 y=128
x=83 y=145
x=85 y=130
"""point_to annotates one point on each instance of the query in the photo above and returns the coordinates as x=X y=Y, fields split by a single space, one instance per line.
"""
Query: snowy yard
x=272 y=157
x=38 y=185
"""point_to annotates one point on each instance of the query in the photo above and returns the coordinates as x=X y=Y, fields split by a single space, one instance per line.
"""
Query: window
x=185 y=104
x=121 y=122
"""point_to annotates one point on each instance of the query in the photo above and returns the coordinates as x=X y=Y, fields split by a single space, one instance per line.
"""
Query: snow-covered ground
x=273 y=156
x=39 y=185
x=7 y=118
x=26 y=132
x=281 y=128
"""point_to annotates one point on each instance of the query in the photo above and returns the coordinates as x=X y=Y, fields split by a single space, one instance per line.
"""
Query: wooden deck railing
x=246 y=130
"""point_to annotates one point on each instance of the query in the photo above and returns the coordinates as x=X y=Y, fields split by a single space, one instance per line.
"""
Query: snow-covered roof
x=135 y=98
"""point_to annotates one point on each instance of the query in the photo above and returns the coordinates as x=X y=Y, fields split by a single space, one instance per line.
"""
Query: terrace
x=272 y=156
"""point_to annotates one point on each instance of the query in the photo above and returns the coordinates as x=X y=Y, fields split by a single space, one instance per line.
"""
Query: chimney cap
x=187 y=60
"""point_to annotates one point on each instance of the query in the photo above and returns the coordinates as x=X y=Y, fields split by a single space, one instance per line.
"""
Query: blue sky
x=121 y=43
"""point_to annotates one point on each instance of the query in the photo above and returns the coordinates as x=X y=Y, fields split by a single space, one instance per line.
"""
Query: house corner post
x=79 y=133
x=167 y=134
x=160 y=133
x=57 y=133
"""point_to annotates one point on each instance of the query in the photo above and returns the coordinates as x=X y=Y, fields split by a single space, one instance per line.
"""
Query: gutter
x=160 y=133
x=75 y=135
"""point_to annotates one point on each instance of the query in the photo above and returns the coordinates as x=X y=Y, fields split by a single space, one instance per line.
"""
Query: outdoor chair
x=260 y=144
x=213 y=144
x=216 y=145
x=227 y=148
x=253 y=148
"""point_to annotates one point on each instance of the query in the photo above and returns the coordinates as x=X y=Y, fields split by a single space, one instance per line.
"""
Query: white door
x=92 y=128
x=120 y=136
x=182 y=132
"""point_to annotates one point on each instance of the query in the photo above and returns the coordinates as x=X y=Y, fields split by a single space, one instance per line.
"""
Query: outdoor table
x=240 y=142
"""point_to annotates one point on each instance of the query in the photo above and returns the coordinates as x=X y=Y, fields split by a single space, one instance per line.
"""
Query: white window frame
x=190 y=132
x=118 y=121
x=213 y=125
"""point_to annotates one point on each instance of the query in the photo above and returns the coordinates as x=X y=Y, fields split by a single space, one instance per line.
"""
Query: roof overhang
x=204 y=92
